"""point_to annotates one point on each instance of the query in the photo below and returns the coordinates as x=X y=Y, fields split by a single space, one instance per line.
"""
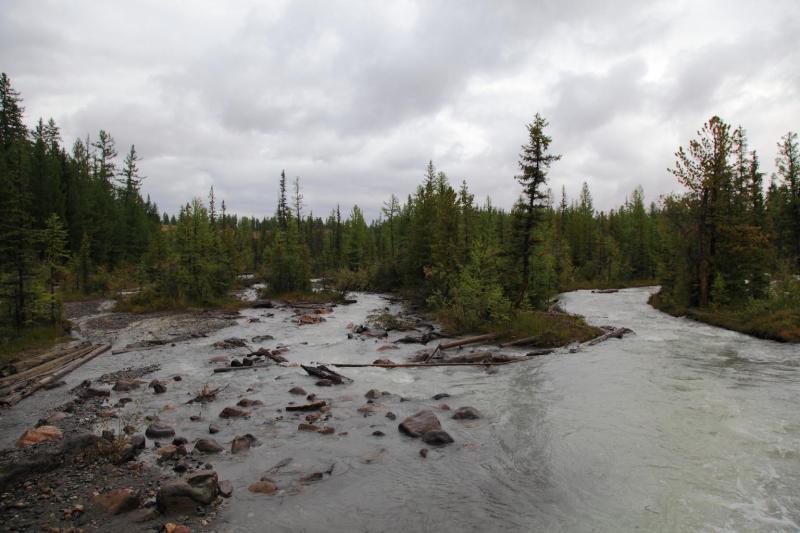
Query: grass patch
x=588 y=285
x=760 y=319
x=551 y=329
x=302 y=297
x=31 y=341
x=149 y=302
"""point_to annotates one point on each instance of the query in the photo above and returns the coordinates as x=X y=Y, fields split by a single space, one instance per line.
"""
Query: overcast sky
x=356 y=97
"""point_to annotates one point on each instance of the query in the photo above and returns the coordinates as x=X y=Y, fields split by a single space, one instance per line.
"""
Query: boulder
x=183 y=495
x=233 y=412
x=420 y=423
x=466 y=413
x=37 y=435
x=118 y=501
x=157 y=430
x=208 y=446
x=437 y=437
x=373 y=394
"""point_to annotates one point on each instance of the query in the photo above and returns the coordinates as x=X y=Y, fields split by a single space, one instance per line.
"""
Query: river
x=679 y=427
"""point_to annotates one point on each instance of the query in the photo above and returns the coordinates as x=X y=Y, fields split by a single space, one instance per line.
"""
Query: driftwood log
x=614 y=333
x=236 y=368
x=323 y=372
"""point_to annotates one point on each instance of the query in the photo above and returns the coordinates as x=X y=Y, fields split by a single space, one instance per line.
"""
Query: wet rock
x=157 y=386
x=230 y=343
x=236 y=363
x=307 y=427
x=177 y=378
x=366 y=410
x=378 y=433
x=313 y=406
x=243 y=443
x=55 y=384
x=466 y=413
x=391 y=416
x=420 y=423
x=233 y=412
x=262 y=338
x=179 y=441
x=92 y=392
x=182 y=466
x=324 y=383
x=218 y=359
x=263 y=486
x=311 y=478
x=213 y=429
x=312 y=417
x=195 y=418
x=122 y=402
x=165 y=453
x=423 y=452
x=310 y=319
x=247 y=402
x=441 y=395
x=444 y=407
x=118 y=501
x=208 y=446
x=157 y=430
x=225 y=489
x=327 y=430
x=383 y=361
x=437 y=437
x=298 y=391
x=183 y=495
x=133 y=448
x=126 y=386
x=37 y=435
x=373 y=394
x=387 y=347
x=247 y=362
x=54 y=418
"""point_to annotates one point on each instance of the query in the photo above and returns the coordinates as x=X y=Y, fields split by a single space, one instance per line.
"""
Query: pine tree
x=534 y=162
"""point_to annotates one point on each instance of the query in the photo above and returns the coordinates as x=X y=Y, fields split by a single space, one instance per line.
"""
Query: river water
x=679 y=427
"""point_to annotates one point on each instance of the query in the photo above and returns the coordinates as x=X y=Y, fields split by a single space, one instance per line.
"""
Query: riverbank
x=277 y=409
x=764 y=322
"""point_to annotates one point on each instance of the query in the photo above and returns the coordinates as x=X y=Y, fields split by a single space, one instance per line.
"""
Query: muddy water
x=681 y=427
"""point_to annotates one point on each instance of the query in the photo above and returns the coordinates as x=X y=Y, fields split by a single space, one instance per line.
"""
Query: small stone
x=420 y=423
x=311 y=478
x=225 y=489
x=263 y=486
x=391 y=416
x=243 y=443
x=195 y=418
x=444 y=407
x=126 y=386
x=236 y=363
x=307 y=427
x=157 y=430
x=118 y=501
x=213 y=429
x=233 y=412
x=441 y=395
x=177 y=378
x=437 y=437
x=247 y=402
x=466 y=413
x=178 y=441
x=378 y=433
x=423 y=452
x=373 y=394
x=208 y=446
x=298 y=391
x=324 y=383
x=247 y=362
x=158 y=387
x=327 y=430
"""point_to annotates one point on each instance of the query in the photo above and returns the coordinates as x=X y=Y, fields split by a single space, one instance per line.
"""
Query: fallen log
x=543 y=351
x=30 y=362
x=235 y=368
x=55 y=376
x=520 y=342
x=605 y=291
x=424 y=365
x=615 y=333
x=44 y=368
x=483 y=357
x=313 y=406
x=323 y=372
x=468 y=340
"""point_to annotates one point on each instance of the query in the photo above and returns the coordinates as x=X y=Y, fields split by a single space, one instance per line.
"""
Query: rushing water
x=680 y=427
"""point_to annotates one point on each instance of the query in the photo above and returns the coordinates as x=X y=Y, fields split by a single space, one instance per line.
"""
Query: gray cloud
x=356 y=97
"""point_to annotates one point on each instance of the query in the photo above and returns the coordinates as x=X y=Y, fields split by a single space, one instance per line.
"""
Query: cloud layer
x=356 y=97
